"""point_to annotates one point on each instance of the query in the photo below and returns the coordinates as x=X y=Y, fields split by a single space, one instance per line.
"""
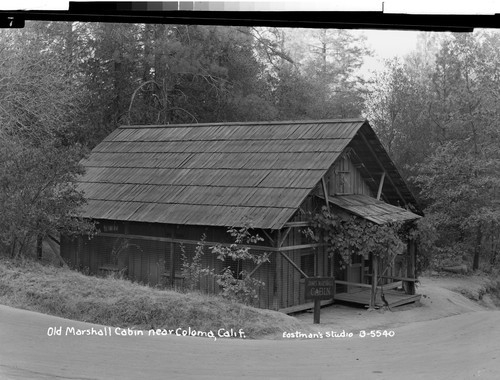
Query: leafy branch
x=349 y=234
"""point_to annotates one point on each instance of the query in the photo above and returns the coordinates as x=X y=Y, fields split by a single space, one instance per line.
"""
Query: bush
x=193 y=270
x=237 y=285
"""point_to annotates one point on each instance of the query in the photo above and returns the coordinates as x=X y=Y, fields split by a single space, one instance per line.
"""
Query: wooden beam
x=172 y=264
x=381 y=166
x=54 y=239
x=358 y=164
x=184 y=241
x=361 y=285
x=268 y=236
x=283 y=237
x=410 y=265
x=294 y=265
x=373 y=292
x=393 y=285
x=350 y=283
x=302 y=246
x=255 y=269
x=325 y=193
x=408 y=279
x=380 y=186
x=208 y=243
x=304 y=306
x=297 y=224
x=278 y=278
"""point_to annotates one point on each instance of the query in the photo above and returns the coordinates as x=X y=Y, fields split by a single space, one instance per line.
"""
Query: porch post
x=172 y=265
x=325 y=193
x=410 y=266
x=277 y=274
x=374 y=281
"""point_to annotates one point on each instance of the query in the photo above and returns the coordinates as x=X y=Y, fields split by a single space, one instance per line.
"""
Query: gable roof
x=218 y=174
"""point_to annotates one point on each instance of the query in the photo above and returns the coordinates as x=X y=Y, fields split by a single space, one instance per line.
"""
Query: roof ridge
x=220 y=124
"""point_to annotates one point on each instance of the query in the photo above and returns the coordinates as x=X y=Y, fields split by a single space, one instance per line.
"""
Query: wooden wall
x=344 y=178
x=152 y=250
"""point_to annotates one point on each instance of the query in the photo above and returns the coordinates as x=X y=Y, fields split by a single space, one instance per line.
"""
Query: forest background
x=65 y=86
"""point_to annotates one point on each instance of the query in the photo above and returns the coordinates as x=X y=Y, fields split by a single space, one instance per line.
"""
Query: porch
x=393 y=291
x=394 y=298
x=360 y=294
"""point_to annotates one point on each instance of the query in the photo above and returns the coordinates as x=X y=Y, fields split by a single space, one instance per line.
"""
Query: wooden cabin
x=155 y=190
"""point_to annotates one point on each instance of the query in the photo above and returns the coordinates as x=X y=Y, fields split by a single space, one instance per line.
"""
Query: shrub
x=238 y=285
x=193 y=270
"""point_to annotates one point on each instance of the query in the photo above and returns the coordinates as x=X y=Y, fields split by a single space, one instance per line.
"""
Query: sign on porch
x=322 y=288
x=319 y=288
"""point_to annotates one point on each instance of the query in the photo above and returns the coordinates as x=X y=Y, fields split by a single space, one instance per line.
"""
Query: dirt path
x=441 y=297
x=465 y=346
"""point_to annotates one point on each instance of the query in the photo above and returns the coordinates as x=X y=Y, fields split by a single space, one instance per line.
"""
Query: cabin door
x=355 y=273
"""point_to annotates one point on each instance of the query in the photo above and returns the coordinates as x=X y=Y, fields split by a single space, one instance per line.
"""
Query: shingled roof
x=372 y=209
x=213 y=174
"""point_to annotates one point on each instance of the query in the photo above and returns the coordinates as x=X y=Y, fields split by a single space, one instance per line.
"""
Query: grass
x=112 y=302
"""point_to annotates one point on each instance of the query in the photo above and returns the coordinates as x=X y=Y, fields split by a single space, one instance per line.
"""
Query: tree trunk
x=13 y=249
x=477 y=248
x=39 y=247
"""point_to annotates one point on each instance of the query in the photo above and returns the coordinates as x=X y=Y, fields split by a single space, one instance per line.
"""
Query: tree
x=461 y=191
x=335 y=59
x=466 y=113
x=397 y=106
x=38 y=166
x=441 y=128
x=38 y=196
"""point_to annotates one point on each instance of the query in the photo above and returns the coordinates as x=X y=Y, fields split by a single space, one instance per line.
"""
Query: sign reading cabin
x=320 y=288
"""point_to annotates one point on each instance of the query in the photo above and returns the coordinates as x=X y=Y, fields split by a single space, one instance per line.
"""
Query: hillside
x=106 y=301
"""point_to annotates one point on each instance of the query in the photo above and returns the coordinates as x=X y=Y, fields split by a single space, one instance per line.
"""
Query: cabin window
x=307 y=263
x=110 y=227
x=356 y=258
x=146 y=229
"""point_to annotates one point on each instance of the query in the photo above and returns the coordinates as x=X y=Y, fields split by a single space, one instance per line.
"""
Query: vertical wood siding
x=345 y=178
x=149 y=261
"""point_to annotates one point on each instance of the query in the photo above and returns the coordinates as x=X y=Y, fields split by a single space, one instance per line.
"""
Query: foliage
x=437 y=113
x=38 y=165
x=348 y=235
x=159 y=74
x=237 y=285
x=397 y=107
x=323 y=81
x=244 y=289
x=38 y=195
x=193 y=270
x=460 y=189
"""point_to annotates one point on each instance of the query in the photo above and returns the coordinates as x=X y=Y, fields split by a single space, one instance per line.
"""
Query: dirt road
x=465 y=346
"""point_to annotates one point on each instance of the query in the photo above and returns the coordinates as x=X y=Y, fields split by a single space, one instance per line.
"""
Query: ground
x=442 y=296
x=448 y=336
